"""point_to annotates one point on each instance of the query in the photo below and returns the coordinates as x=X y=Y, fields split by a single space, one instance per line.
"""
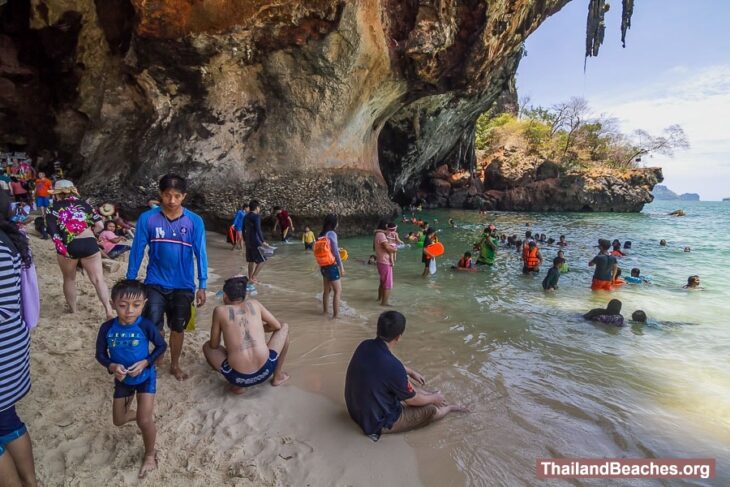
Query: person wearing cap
x=606 y=267
x=72 y=223
x=176 y=240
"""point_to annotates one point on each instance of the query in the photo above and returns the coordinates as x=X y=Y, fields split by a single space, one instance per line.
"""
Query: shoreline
x=295 y=434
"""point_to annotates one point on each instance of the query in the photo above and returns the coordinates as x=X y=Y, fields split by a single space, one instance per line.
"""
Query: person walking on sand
x=378 y=393
x=123 y=348
x=175 y=235
x=247 y=358
x=328 y=258
x=253 y=236
x=72 y=223
x=17 y=466
x=384 y=253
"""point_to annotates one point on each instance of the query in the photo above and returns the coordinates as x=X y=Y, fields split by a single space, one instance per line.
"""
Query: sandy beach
x=298 y=434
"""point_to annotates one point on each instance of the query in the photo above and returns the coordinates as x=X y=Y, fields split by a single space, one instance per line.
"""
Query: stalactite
x=595 y=26
x=626 y=13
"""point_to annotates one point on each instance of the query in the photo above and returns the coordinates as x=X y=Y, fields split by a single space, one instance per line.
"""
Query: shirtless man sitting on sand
x=247 y=359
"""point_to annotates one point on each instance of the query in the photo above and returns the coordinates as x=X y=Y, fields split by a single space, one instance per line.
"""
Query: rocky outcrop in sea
x=510 y=180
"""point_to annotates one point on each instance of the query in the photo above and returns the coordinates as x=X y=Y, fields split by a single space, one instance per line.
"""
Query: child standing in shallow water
x=122 y=346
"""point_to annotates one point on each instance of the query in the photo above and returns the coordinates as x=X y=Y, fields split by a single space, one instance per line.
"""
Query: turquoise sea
x=542 y=381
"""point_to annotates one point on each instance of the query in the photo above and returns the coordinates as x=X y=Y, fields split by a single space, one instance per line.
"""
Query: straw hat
x=107 y=209
x=63 y=186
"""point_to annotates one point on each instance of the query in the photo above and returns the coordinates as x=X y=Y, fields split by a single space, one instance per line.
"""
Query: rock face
x=509 y=179
x=318 y=105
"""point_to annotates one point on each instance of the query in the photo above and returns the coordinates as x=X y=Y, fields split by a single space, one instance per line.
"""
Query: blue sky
x=675 y=69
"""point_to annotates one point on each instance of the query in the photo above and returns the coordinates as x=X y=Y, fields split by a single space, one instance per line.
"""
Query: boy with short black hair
x=378 y=394
x=550 y=283
x=122 y=346
x=247 y=359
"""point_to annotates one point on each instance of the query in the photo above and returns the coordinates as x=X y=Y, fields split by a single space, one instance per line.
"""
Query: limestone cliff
x=319 y=105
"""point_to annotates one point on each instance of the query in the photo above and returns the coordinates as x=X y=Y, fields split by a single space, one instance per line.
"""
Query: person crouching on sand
x=378 y=394
x=247 y=358
x=122 y=346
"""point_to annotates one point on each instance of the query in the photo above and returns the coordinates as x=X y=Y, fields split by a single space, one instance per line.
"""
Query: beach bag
x=190 y=325
x=30 y=298
x=30 y=301
x=323 y=252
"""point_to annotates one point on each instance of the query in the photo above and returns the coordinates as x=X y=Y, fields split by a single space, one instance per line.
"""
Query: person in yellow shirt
x=308 y=238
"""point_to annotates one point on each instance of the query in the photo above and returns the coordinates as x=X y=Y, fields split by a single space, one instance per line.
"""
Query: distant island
x=663 y=193
x=726 y=199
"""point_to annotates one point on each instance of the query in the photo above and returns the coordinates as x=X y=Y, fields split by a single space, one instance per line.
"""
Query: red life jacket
x=530 y=257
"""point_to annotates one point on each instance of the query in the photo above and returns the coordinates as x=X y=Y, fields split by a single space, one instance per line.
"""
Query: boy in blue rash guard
x=238 y=228
x=174 y=235
x=122 y=346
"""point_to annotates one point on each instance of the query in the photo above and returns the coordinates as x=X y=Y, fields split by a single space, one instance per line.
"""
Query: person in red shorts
x=283 y=220
x=606 y=268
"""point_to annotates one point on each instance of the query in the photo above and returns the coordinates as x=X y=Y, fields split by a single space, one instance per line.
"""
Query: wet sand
x=297 y=434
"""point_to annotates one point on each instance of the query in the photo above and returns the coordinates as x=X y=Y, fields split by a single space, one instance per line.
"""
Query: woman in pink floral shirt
x=70 y=223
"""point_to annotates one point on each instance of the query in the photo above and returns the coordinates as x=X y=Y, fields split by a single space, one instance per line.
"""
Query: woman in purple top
x=331 y=274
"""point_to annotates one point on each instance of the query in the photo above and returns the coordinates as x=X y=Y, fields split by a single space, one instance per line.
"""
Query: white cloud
x=699 y=101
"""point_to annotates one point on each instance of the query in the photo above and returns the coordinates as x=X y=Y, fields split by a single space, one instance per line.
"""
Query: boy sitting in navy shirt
x=377 y=383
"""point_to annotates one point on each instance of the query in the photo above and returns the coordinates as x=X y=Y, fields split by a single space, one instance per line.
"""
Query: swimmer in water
x=465 y=263
x=611 y=315
x=662 y=243
x=562 y=242
x=372 y=260
x=564 y=266
x=693 y=282
x=616 y=252
x=412 y=237
x=635 y=277
x=452 y=224
x=687 y=249
x=638 y=316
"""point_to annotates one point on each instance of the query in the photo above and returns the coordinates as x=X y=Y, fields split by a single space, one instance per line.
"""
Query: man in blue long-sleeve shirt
x=174 y=235
x=254 y=238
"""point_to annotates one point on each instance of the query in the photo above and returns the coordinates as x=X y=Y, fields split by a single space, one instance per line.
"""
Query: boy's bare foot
x=458 y=408
x=280 y=379
x=235 y=390
x=148 y=464
x=178 y=373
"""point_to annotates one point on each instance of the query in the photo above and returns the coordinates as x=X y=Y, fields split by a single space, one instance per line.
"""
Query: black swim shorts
x=83 y=247
x=254 y=255
x=173 y=303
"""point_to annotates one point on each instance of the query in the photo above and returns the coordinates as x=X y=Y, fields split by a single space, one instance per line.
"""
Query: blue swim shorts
x=11 y=427
x=330 y=272
x=42 y=201
x=247 y=380
x=146 y=387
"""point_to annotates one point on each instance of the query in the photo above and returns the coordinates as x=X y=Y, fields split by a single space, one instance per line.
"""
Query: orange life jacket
x=530 y=257
x=323 y=252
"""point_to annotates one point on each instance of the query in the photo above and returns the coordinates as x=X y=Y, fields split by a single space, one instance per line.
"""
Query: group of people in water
x=382 y=395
